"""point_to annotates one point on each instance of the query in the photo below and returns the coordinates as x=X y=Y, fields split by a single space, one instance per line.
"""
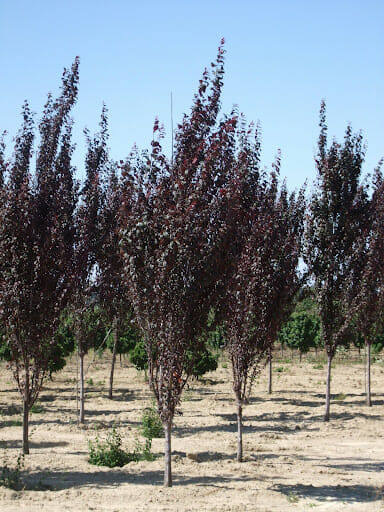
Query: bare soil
x=293 y=460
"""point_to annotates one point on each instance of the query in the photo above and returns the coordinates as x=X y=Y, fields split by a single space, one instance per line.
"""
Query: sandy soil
x=293 y=460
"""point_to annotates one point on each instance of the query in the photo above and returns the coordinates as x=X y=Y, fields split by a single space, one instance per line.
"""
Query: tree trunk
x=368 y=373
x=115 y=340
x=300 y=356
x=328 y=389
x=82 y=393
x=25 y=427
x=270 y=371
x=167 y=454
x=239 y=432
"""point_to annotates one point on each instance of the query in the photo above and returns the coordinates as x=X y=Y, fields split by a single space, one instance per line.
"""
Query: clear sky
x=282 y=58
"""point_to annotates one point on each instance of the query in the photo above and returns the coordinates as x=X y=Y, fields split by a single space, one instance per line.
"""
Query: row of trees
x=173 y=240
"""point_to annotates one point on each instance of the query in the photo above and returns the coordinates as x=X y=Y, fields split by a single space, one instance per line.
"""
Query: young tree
x=263 y=284
x=176 y=231
x=36 y=241
x=371 y=296
x=85 y=310
x=127 y=340
x=112 y=288
x=89 y=328
x=335 y=237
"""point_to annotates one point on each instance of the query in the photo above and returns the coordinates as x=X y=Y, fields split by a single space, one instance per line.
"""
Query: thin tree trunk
x=368 y=373
x=270 y=371
x=167 y=454
x=239 y=432
x=82 y=393
x=25 y=427
x=300 y=356
x=115 y=340
x=328 y=389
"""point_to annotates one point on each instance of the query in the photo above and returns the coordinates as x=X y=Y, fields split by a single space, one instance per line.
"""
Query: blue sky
x=282 y=58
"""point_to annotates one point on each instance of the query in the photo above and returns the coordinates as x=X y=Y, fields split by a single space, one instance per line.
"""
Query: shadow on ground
x=332 y=493
x=58 y=480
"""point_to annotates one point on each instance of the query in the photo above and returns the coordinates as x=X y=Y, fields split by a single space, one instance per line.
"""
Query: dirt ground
x=293 y=460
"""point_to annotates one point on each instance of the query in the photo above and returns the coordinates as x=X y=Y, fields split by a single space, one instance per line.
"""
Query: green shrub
x=151 y=425
x=143 y=451
x=36 y=409
x=201 y=362
x=11 y=423
x=138 y=356
x=187 y=395
x=109 y=452
x=292 y=497
x=11 y=477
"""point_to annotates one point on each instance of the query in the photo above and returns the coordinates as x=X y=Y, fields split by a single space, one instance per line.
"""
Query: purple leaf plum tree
x=36 y=241
x=176 y=235
x=264 y=281
x=336 y=237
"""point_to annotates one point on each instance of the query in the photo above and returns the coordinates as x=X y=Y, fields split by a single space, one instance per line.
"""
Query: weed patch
x=151 y=426
x=109 y=452
x=292 y=497
x=11 y=476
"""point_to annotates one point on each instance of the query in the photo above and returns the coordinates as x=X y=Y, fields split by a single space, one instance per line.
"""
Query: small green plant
x=12 y=423
x=187 y=395
x=143 y=451
x=151 y=425
x=11 y=477
x=36 y=409
x=90 y=381
x=341 y=397
x=318 y=366
x=279 y=369
x=109 y=452
x=292 y=497
x=224 y=365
